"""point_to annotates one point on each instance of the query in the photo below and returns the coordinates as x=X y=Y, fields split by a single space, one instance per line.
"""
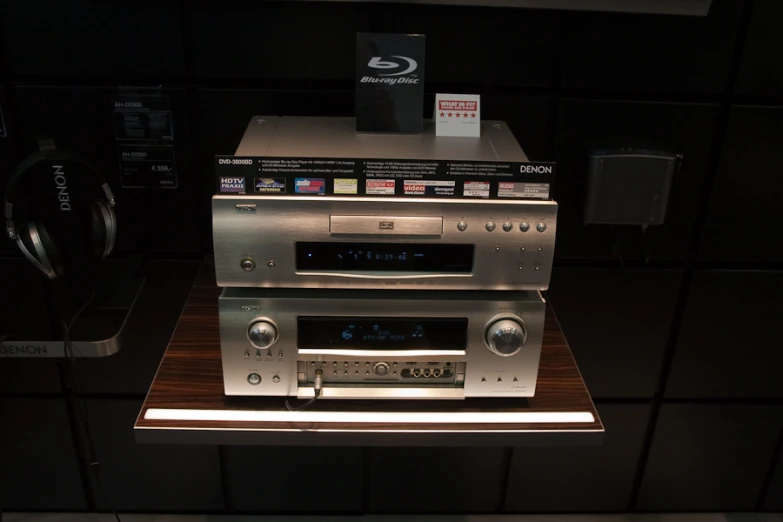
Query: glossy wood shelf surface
x=190 y=378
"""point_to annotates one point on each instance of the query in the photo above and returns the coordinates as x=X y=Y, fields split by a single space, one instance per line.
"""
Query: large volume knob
x=262 y=334
x=506 y=337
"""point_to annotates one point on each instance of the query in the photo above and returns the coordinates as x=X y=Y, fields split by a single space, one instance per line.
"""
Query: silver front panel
x=266 y=229
x=285 y=370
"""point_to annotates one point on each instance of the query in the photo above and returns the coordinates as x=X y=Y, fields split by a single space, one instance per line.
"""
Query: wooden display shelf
x=189 y=386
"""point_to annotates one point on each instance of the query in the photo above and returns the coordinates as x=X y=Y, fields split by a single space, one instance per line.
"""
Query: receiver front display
x=397 y=257
x=381 y=333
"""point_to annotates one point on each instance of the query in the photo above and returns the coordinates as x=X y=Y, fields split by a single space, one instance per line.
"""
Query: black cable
x=317 y=385
x=303 y=406
x=81 y=405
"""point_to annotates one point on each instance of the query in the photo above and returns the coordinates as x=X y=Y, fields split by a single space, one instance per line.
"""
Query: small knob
x=541 y=227
x=507 y=226
x=506 y=337
x=524 y=226
x=262 y=334
x=462 y=226
x=490 y=226
x=247 y=264
x=380 y=369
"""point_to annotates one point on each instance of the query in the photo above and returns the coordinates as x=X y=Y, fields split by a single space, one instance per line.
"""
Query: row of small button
x=258 y=355
x=255 y=379
x=484 y=379
x=335 y=364
x=508 y=226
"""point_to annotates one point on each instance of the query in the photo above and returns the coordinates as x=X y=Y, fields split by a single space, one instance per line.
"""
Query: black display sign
x=380 y=257
x=389 y=82
x=381 y=333
x=147 y=166
x=275 y=176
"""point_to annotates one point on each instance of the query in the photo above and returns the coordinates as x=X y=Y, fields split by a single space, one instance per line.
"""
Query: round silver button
x=380 y=368
x=506 y=336
x=524 y=226
x=507 y=226
x=247 y=264
x=275 y=378
x=462 y=226
x=254 y=379
x=490 y=226
x=271 y=264
x=262 y=334
x=541 y=227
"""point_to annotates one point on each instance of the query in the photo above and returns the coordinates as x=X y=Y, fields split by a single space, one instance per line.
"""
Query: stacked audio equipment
x=381 y=266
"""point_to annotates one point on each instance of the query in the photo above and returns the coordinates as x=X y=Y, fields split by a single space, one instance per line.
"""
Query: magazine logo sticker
x=310 y=186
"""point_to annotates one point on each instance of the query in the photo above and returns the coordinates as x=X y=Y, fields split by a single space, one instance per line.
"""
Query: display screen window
x=379 y=257
x=382 y=333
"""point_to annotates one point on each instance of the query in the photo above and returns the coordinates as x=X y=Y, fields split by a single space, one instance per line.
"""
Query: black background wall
x=678 y=330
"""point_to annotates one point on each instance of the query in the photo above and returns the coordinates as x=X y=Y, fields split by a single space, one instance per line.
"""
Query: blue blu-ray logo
x=232 y=185
x=270 y=185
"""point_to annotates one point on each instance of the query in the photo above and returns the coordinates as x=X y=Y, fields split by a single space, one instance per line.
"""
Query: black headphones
x=35 y=241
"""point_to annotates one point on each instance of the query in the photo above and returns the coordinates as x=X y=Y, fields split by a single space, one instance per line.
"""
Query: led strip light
x=419 y=417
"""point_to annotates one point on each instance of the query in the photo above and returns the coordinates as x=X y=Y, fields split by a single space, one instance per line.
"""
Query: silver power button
x=254 y=379
x=462 y=226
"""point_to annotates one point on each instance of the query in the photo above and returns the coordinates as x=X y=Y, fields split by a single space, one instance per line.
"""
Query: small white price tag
x=457 y=115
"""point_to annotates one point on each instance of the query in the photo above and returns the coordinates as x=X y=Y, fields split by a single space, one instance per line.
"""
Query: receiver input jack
x=427 y=372
x=417 y=372
x=437 y=372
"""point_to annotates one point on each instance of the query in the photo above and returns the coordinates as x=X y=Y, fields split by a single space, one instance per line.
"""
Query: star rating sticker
x=449 y=115
x=442 y=115
x=457 y=115
x=465 y=114
x=473 y=115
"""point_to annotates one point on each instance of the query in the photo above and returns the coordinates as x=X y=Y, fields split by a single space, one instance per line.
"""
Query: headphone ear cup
x=102 y=228
x=47 y=248
x=38 y=246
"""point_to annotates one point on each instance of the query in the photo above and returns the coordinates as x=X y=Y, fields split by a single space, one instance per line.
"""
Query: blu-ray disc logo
x=310 y=185
x=235 y=185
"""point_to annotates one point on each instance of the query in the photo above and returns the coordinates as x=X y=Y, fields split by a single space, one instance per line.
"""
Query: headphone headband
x=32 y=161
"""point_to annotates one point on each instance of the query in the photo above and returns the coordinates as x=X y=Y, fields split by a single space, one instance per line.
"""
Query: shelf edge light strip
x=419 y=417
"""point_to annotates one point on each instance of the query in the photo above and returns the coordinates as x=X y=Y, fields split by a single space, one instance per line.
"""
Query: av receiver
x=362 y=345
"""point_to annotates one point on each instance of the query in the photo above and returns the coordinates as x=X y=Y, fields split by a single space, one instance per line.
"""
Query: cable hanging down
x=317 y=385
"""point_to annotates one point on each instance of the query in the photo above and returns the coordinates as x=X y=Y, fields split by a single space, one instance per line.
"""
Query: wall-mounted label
x=269 y=185
x=142 y=117
x=147 y=166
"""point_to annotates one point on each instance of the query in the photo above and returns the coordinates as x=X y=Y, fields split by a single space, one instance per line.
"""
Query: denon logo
x=22 y=349
x=536 y=169
x=62 y=188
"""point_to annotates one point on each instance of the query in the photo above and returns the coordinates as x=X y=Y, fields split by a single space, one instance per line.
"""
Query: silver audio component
x=390 y=345
x=333 y=242
x=308 y=202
